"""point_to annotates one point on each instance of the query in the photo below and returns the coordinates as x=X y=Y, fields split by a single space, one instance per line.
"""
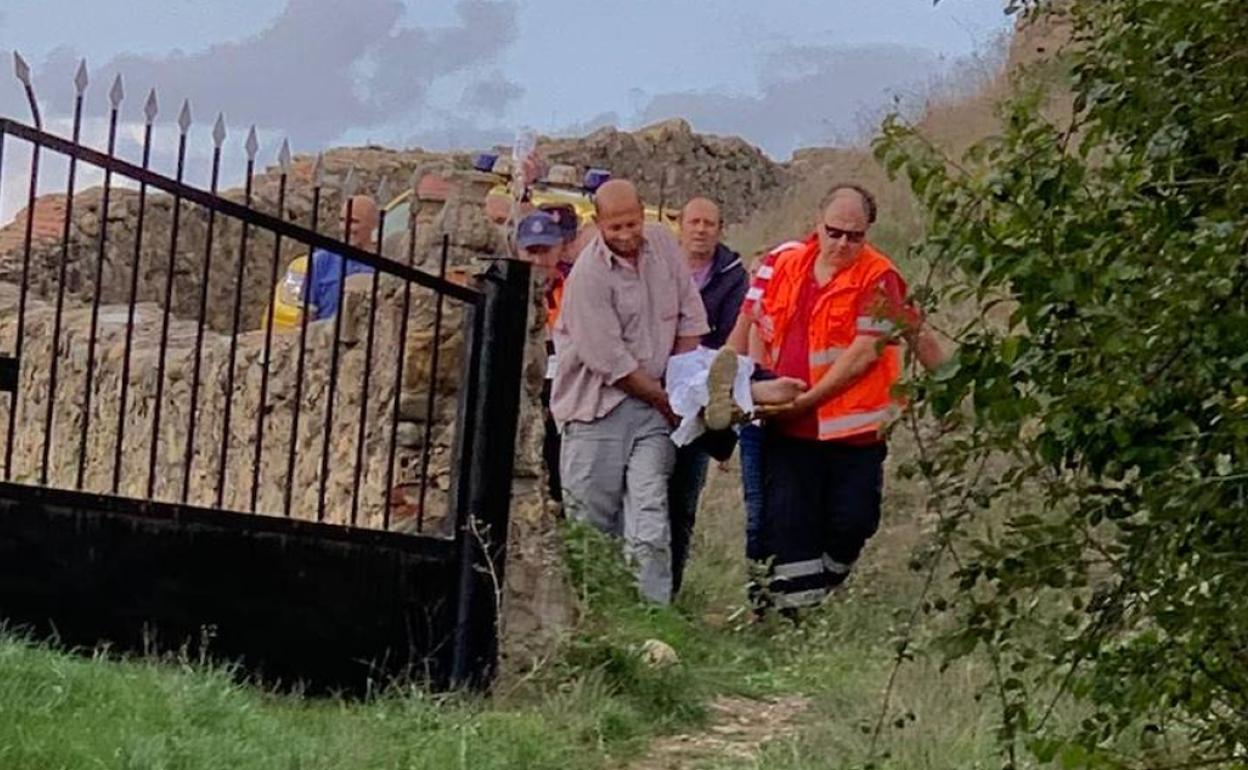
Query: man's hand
x=782 y=390
x=788 y=410
x=665 y=409
x=641 y=385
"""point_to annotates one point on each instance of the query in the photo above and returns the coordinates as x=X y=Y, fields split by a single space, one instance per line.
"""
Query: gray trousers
x=615 y=472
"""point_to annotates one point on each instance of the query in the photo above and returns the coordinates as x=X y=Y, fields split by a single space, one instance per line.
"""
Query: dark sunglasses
x=836 y=233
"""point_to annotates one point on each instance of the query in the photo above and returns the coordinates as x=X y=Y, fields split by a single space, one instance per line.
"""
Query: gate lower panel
x=294 y=602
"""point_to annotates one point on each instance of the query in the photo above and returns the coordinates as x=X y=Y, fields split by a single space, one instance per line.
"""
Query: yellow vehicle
x=287 y=303
x=545 y=195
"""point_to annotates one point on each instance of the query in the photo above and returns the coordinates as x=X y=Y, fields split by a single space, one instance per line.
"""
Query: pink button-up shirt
x=616 y=317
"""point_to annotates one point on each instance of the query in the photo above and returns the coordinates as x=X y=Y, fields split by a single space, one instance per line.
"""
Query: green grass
x=595 y=705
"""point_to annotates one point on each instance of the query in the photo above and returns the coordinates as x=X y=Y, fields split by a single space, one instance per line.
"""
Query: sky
x=469 y=73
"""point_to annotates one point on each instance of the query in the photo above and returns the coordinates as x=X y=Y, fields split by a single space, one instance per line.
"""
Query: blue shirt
x=322 y=290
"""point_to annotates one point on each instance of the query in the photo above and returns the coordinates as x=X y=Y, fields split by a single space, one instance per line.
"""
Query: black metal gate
x=189 y=454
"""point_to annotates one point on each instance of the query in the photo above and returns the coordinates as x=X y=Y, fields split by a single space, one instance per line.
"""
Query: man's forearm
x=640 y=385
x=739 y=337
x=843 y=372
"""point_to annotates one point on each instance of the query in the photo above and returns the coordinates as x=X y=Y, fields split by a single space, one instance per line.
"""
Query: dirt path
x=739 y=728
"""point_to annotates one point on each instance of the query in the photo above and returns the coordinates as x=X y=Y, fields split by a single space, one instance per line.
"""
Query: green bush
x=1102 y=390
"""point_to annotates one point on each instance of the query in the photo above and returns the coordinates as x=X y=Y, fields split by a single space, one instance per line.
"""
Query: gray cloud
x=452 y=131
x=601 y=120
x=809 y=95
x=491 y=97
x=319 y=70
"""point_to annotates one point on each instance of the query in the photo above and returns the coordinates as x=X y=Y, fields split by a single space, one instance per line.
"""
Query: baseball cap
x=564 y=215
x=538 y=229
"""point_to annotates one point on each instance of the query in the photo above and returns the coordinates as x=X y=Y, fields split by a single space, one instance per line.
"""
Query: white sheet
x=687 y=392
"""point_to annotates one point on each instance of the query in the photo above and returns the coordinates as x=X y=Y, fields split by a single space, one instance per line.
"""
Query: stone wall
x=669 y=158
x=471 y=236
x=172 y=444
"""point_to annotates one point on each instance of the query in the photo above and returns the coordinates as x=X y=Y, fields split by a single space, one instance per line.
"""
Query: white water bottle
x=523 y=148
x=525 y=144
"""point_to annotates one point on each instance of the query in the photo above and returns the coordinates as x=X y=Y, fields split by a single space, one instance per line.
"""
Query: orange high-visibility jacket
x=868 y=403
x=554 y=299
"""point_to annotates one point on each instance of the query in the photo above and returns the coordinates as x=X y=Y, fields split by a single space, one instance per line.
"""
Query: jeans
x=751 y=440
x=683 y=491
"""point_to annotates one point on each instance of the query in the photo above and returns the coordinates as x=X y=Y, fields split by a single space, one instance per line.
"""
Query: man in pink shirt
x=628 y=305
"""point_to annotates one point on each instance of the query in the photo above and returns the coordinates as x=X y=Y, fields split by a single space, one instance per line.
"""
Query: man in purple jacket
x=722 y=281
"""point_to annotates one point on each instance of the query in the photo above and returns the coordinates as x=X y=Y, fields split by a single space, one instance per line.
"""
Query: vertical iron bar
x=398 y=371
x=164 y=324
x=433 y=379
x=134 y=288
x=95 y=302
x=368 y=364
x=489 y=459
x=309 y=280
x=199 y=332
x=466 y=485
x=333 y=368
x=13 y=394
x=54 y=365
x=229 y=372
x=21 y=304
x=268 y=348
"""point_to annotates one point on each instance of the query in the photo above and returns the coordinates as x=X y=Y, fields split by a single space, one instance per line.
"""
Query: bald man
x=359 y=227
x=722 y=282
x=628 y=305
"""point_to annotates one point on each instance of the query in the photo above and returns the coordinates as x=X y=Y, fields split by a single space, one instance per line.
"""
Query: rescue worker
x=744 y=340
x=359 y=225
x=832 y=314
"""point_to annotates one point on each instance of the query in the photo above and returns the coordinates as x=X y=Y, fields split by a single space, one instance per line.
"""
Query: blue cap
x=485 y=161
x=538 y=229
x=595 y=178
x=564 y=215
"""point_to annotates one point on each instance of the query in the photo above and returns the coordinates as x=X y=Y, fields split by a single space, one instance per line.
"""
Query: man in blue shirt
x=322 y=285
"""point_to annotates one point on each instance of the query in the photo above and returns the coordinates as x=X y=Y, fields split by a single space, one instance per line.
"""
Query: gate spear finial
x=348 y=184
x=184 y=116
x=283 y=157
x=218 y=131
x=318 y=170
x=117 y=92
x=80 y=78
x=22 y=70
x=151 y=107
x=251 y=145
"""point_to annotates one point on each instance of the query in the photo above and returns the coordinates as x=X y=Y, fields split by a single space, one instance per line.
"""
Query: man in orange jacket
x=832 y=315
